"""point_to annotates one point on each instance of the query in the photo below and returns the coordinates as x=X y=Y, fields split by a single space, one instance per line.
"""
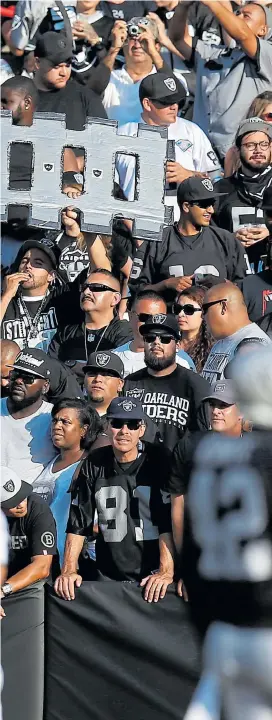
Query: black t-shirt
x=127 y=10
x=133 y=510
x=75 y=101
x=34 y=534
x=211 y=252
x=73 y=344
x=257 y=292
x=205 y=24
x=227 y=549
x=182 y=461
x=173 y=401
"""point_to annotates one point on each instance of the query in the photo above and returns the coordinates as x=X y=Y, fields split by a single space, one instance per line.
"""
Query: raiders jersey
x=133 y=510
x=34 y=534
x=227 y=550
x=211 y=252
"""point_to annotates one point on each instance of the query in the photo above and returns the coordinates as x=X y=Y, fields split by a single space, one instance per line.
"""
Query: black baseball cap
x=105 y=361
x=222 y=390
x=13 y=489
x=195 y=188
x=162 y=88
x=49 y=247
x=55 y=47
x=164 y=323
x=125 y=409
x=33 y=361
x=267 y=199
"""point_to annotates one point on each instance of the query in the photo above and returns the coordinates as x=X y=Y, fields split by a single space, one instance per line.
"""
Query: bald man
x=227 y=319
x=9 y=352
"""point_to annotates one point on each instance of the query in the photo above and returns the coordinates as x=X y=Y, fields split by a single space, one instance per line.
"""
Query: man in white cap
x=32 y=534
x=230 y=568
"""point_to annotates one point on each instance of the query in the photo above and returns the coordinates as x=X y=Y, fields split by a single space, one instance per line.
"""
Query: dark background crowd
x=118 y=353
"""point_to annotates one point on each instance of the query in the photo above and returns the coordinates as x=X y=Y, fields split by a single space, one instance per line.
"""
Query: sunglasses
x=164 y=339
x=25 y=377
x=267 y=117
x=203 y=204
x=96 y=287
x=187 y=309
x=206 y=306
x=130 y=424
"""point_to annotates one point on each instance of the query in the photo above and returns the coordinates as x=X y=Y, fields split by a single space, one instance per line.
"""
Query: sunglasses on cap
x=206 y=306
x=187 y=309
x=130 y=424
x=25 y=377
x=96 y=287
x=164 y=339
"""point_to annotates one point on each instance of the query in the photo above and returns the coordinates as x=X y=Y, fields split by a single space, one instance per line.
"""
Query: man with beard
x=100 y=330
x=257 y=289
x=26 y=418
x=240 y=211
x=9 y=352
x=170 y=394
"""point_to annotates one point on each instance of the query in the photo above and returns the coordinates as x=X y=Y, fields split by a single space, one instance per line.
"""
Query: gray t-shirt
x=223 y=351
x=227 y=82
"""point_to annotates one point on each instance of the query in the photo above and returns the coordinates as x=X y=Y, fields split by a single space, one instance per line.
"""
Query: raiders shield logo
x=137 y=393
x=170 y=84
x=48 y=167
x=158 y=319
x=97 y=173
x=127 y=405
x=102 y=359
x=207 y=184
x=9 y=486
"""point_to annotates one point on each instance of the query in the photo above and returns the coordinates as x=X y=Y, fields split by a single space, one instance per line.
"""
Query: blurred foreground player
x=228 y=558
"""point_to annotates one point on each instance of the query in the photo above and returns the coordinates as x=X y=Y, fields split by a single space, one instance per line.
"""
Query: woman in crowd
x=260 y=107
x=75 y=427
x=195 y=338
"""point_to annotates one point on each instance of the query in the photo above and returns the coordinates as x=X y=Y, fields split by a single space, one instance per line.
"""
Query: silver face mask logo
x=102 y=359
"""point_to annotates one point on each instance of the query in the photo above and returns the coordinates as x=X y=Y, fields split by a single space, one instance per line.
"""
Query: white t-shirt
x=53 y=487
x=134 y=361
x=193 y=151
x=223 y=351
x=26 y=443
x=121 y=97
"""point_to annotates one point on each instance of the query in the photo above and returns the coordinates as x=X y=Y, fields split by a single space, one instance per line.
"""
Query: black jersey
x=173 y=402
x=210 y=252
x=257 y=292
x=133 y=510
x=227 y=550
x=33 y=534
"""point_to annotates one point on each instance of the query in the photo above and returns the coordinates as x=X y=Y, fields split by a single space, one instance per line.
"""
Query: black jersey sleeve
x=54 y=347
x=81 y=514
x=149 y=274
x=238 y=264
x=176 y=480
x=42 y=534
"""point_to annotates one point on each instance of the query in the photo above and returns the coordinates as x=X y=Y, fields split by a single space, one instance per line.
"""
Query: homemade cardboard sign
x=49 y=136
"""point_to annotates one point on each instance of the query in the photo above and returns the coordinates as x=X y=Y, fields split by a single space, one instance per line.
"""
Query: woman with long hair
x=75 y=427
x=260 y=107
x=195 y=337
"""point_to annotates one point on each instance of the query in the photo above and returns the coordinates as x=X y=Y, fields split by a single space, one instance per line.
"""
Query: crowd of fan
x=116 y=352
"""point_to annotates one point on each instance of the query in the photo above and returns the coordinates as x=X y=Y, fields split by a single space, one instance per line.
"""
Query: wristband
x=72 y=178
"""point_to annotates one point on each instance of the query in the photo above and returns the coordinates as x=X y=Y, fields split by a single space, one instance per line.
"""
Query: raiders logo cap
x=49 y=247
x=55 y=47
x=105 y=360
x=13 y=490
x=128 y=408
x=223 y=391
x=196 y=188
x=163 y=324
x=163 y=89
x=34 y=362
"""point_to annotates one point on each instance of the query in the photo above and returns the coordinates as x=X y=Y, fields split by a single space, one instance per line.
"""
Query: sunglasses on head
x=25 y=377
x=206 y=306
x=187 y=309
x=96 y=287
x=130 y=424
x=164 y=339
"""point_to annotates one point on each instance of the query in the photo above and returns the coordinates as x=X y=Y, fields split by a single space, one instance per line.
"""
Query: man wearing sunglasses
x=144 y=306
x=100 y=328
x=170 y=394
x=26 y=417
x=241 y=209
x=227 y=319
x=193 y=248
x=126 y=488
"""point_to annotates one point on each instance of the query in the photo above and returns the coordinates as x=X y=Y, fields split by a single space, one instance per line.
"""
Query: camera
x=133 y=28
